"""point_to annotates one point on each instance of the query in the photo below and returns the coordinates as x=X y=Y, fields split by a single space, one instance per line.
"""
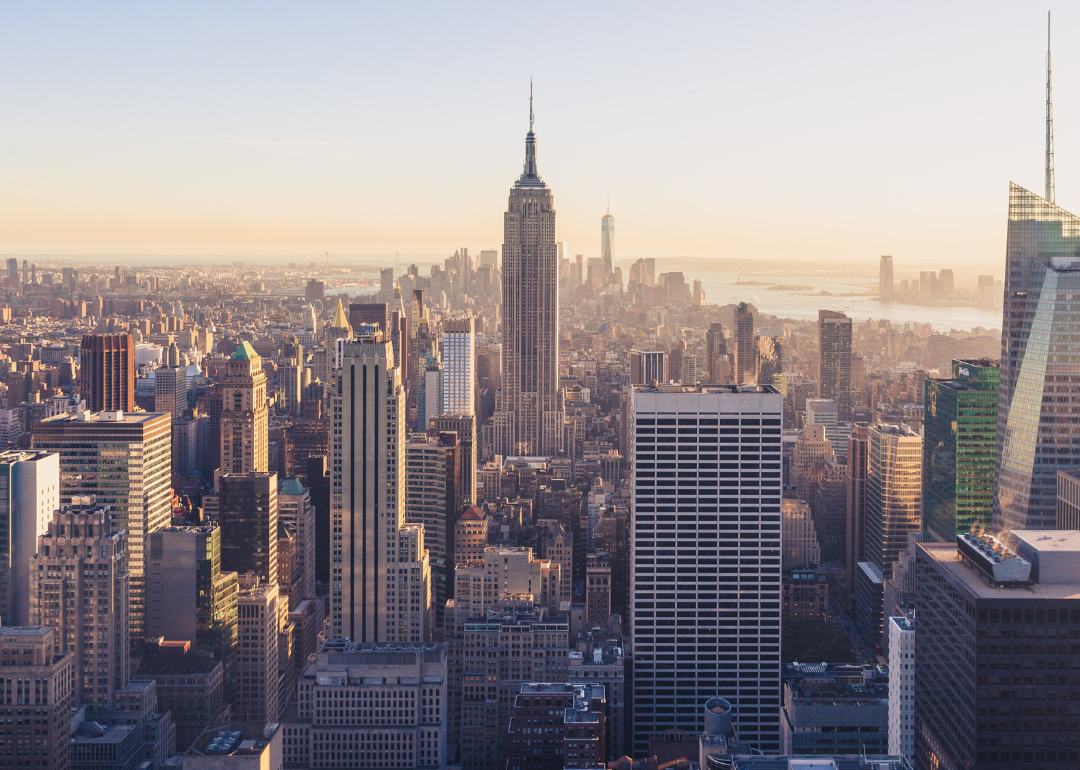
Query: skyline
x=243 y=152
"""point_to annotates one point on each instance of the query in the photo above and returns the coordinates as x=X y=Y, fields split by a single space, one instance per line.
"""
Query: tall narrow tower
x=1049 y=195
x=244 y=416
x=607 y=241
x=529 y=409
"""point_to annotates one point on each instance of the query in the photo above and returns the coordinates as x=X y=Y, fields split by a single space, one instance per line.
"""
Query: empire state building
x=529 y=407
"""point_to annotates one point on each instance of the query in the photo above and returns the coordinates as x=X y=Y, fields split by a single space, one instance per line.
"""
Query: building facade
x=834 y=370
x=107 y=372
x=245 y=417
x=458 y=366
x=34 y=656
x=902 y=671
x=29 y=495
x=893 y=493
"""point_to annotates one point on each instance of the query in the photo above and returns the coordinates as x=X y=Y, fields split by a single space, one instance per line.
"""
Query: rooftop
x=245 y=352
x=948 y=558
x=291 y=486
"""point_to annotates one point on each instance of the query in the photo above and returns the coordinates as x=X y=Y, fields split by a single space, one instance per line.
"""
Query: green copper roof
x=245 y=353
x=291 y=487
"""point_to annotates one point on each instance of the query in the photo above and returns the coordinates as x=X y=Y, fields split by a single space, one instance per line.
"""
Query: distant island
x=741 y=282
x=790 y=287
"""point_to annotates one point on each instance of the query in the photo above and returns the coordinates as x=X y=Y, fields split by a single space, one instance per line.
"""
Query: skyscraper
x=607 y=242
x=372 y=601
x=959 y=429
x=170 y=385
x=248 y=516
x=717 y=630
x=125 y=462
x=646 y=366
x=745 y=348
x=107 y=372
x=529 y=410
x=834 y=369
x=37 y=655
x=465 y=427
x=885 y=279
x=893 y=493
x=29 y=494
x=716 y=354
x=858 y=451
x=244 y=414
x=458 y=366
x=1040 y=361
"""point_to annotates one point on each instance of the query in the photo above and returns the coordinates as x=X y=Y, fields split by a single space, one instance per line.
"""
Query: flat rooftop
x=1050 y=540
x=948 y=557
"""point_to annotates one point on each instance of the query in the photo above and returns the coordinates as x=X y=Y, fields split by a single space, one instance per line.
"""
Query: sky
x=827 y=133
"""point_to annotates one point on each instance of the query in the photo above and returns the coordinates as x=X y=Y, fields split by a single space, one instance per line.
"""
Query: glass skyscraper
x=1039 y=402
x=959 y=442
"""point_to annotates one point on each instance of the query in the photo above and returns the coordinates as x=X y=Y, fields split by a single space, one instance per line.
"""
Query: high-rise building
x=501 y=574
x=79 y=586
x=597 y=588
x=834 y=369
x=902 y=670
x=737 y=616
x=464 y=425
x=716 y=354
x=244 y=415
x=433 y=499
x=1040 y=361
x=29 y=494
x=770 y=360
x=607 y=242
x=809 y=457
x=458 y=352
x=647 y=366
x=371 y=600
x=893 y=493
x=190 y=599
x=170 y=385
x=858 y=452
x=297 y=513
x=107 y=372
x=825 y=412
x=529 y=406
x=258 y=697
x=959 y=441
x=396 y=714
x=36 y=655
x=993 y=644
x=386 y=284
x=122 y=460
x=745 y=347
x=1068 y=499
x=248 y=517
x=885 y=279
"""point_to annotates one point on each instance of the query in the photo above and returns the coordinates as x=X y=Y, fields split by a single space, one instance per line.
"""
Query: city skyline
x=196 y=174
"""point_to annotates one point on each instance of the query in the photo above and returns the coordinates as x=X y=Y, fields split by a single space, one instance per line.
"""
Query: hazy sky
x=821 y=131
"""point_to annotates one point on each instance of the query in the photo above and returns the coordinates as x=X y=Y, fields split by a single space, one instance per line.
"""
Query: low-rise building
x=35 y=655
x=826 y=716
x=557 y=725
x=806 y=592
x=191 y=688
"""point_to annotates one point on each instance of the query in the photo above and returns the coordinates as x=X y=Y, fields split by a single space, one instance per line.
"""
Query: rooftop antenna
x=1049 y=194
x=530 y=107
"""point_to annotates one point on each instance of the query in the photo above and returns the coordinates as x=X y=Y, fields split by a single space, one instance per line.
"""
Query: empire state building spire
x=530 y=177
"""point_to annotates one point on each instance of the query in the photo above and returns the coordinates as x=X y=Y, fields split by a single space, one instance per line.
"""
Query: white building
x=824 y=411
x=902 y=686
x=29 y=493
x=707 y=497
x=459 y=366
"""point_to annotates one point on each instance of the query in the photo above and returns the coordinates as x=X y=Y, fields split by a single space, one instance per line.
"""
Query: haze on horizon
x=830 y=133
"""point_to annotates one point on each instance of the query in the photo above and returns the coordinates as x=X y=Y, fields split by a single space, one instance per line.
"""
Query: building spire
x=1049 y=193
x=530 y=176
x=530 y=93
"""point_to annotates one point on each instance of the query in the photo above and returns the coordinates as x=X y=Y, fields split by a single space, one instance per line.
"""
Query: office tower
x=993 y=643
x=79 y=586
x=315 y=290
x=825 y=412
x=902 y=686
x=945 y=283
x=396 y=714
x=743 y=647
x=107 y=372
x=885 y=279
x=464 y=425
x=459 y=366
x=770 y=360
x=124 y=461
x=809 y=457
x=503 y=573
x=257 y=692
x=647 y=366
x=893 y=493
x=856 y=469
x=29 y=494
x=13 y=267
x=368 y=505
x=1068 y=499
x=189 y=597
x=1040 y=362
x=829 y=505
x=386 y=284
x=290 y=386
x=834 y=373
x=529 y=408
x=36 y=655
x=607 y=242
x=248 y=517
x=556 y=724
x=433 y=498
x=597 y=588
x=170 y=385
x=960 y=431
x=297 y=512
x=369 y=314
x=745 y=348
x=244 y=414
x=716 y=353
x=801 y=547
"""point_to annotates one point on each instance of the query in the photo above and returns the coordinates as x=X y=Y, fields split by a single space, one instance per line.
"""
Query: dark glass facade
x=959 y=445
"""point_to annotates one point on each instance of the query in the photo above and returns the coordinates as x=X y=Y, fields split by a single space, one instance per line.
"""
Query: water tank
x=717 y=717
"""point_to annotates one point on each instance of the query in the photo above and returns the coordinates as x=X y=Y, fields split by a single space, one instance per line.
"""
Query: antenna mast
x=1049 y=193
x=530 y=107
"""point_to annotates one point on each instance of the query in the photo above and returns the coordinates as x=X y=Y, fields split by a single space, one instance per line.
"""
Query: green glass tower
x=959 y=446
